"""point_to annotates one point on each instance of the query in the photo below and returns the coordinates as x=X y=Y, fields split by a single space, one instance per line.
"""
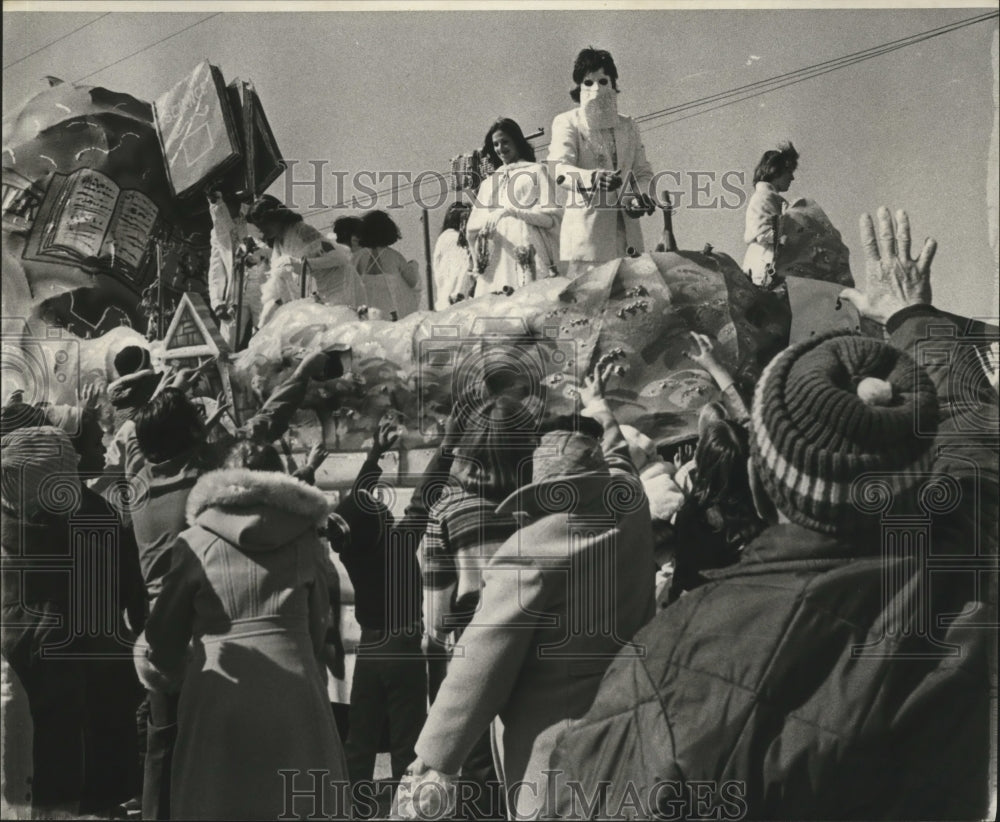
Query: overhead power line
x=147 y=48
x=57 y=40
x=746 y=92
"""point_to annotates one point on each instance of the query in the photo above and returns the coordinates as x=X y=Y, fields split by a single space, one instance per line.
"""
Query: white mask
x=599 y=105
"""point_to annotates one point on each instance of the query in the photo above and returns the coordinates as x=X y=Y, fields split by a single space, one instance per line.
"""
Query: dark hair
x=525 y=151
x=496 y=443
x=378 y=230
x=591 y=59
x=455 y=219
x=255 y=456
x=455 y=216
x=168 y=426
x=344 y=228
x=774 y=163
x=268 y=208
x=130 y=359
x=722 y=482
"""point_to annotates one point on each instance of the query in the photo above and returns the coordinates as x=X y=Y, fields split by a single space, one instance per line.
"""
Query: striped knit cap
x=830 y=409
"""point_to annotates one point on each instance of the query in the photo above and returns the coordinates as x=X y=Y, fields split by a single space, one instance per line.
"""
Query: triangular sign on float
x=192 y=332
x=193 y=338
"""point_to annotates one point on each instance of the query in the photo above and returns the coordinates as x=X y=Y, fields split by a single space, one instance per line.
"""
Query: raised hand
x=684 y=454
x=184 y=379
x=385 y=436
x=893 y=280
x=596 y=382
x=89 y=396
x=317 y=456
x=221 y=407
x=704 y=355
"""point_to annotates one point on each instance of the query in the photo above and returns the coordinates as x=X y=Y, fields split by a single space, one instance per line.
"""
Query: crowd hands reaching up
x=567 y=618
x=207 y=497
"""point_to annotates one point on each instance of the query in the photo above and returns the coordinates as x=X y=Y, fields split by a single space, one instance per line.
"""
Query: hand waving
x=893 y=280
x=317 y=456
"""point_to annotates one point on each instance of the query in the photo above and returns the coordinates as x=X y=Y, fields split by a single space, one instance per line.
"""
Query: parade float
x=106 y=232
x=105 y=221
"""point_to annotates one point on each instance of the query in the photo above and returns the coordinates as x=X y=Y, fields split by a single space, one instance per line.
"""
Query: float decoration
x=545 y=336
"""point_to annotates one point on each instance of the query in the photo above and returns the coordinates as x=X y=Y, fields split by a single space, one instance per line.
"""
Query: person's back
x=170 y=437
x=248 y=586
x=779 y=687
x=815 y=678
x=39 y=491
x=560 y=598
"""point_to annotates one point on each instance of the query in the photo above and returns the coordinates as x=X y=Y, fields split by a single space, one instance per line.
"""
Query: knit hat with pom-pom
x=828 y=411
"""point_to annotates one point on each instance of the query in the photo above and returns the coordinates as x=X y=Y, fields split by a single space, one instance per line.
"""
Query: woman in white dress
x=513 y=230
x=772 y=178
x=452 y=263
x=391 y=281
x=294 y=243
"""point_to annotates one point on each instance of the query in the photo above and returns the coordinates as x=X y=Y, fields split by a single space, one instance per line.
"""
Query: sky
x=384 y=90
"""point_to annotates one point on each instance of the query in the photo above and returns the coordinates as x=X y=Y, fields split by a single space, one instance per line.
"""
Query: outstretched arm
x=897 y=292
x=705 y=357
x=613 y=444
x=272 y=420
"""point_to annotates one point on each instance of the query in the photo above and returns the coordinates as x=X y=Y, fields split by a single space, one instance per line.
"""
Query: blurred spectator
x=39 y=489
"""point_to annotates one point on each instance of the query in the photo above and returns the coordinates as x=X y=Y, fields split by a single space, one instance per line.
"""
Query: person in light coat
x=239 y=626
x=534 y=653
x=772 y=178
x=598 y=156
x=332 y=276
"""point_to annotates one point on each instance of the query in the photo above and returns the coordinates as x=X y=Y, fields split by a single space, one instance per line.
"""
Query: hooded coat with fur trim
x=247 y=584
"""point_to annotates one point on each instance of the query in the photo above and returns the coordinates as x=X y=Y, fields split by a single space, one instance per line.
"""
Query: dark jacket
x=95 y=510
x=815 y=679
x=160 y=490
x=158 y=511
x=776 y=685
x=381 y=559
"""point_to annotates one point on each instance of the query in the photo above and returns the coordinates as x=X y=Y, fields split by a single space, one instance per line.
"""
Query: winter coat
x=248 y=586
x=591 y=232
x=789 y=683
x=534 y=653
x=779 y=686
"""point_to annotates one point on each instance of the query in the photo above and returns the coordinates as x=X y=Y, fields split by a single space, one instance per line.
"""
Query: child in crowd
x=717 y=518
